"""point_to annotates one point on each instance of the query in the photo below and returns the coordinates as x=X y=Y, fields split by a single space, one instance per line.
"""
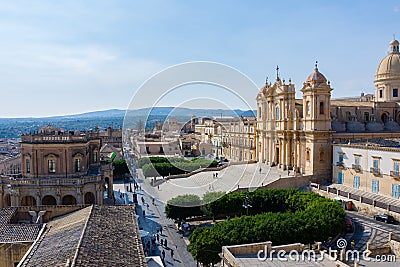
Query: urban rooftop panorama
x=202 y=134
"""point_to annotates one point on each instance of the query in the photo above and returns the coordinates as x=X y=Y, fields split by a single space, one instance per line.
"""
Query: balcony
x=375 y=171
x=356 y=167
x=340 y=164
x=395 y=175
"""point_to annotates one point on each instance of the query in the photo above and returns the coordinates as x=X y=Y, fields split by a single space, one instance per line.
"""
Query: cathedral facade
x=297 y=134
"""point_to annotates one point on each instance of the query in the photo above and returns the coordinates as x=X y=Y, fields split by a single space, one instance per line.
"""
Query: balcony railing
x=395 y=174
x=375 y=171
x=356 y=167
x=340 y=164
x=55 y=181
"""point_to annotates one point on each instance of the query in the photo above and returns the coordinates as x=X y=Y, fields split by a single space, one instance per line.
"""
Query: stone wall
x=10 y=254
x=358 y=206
x=395 y=247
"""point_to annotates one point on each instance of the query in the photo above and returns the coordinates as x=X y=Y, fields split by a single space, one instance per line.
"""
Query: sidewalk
x=153 y=220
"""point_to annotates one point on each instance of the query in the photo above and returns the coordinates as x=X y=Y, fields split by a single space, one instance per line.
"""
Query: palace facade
x=58 y=167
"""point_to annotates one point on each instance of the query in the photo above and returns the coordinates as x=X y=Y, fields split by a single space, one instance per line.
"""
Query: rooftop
x=92 y=236
x=373 y=142
x=16 y=233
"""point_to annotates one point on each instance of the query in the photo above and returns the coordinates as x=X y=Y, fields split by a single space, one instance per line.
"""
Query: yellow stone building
x=298 y=133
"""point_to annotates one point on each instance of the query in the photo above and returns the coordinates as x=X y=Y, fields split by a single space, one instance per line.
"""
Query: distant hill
x=164 y=111
x=14 y=127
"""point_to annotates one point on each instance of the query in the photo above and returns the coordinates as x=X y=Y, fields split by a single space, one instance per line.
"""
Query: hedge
x=291 y=217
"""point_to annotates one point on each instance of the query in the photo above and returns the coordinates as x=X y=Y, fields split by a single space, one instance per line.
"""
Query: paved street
x=154 y=218
x=374 y=232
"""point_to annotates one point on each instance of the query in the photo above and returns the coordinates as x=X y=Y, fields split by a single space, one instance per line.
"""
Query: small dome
x=338 y=126
x=390 y=65
x=394 y=42
x=316 y=77
x=392 y=126
x=355 y=126
x=374 y=126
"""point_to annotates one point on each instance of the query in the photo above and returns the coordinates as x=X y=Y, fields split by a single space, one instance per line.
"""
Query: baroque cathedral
x=297 y=134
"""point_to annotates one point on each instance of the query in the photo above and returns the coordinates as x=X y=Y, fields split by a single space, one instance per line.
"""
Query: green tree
x=120 y=168
x=184 y=206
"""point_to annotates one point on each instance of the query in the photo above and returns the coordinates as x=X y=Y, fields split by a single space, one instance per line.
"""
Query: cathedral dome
x=390 y=65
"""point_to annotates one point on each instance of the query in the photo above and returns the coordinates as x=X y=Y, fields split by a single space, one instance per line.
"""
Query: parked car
x=384 y=218
x=349 y=226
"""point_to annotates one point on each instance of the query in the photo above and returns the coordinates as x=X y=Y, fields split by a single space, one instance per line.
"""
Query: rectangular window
x=376 y=165
x=321 y=108
x=380 y=93
x=395 y=190
x=52 y=166
x=395 y=92
x=340 y=178
x=375 y=186
x=28 y=165
x=77 y=165
x=357 y=160
x=366 y=116
x=356 y=183
x=396 y=168
x=341 y=158
x=277 y=115
x=95 y=157
x=348 y=116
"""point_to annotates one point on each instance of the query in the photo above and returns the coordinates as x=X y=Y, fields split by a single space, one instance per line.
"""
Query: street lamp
x=246 y=204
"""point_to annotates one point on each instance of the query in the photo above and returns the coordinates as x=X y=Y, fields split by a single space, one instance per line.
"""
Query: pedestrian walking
x=163 y=254
x=147 y=205
x=166 y=243
x=213 y=175
x=260 y=169
x=162 y=242
x=161 y=230
x=152 y=200
x=144 y=213
x=172 y=254
x=176 y=246
x=143 y=200
x=158 y=237
x=216 y=175
x=158 y=187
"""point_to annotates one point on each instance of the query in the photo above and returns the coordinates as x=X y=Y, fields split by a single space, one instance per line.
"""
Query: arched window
x=308 y=108
x=308 y=155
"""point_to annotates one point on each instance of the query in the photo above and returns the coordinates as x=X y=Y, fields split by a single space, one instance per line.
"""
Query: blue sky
x=66 y=57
